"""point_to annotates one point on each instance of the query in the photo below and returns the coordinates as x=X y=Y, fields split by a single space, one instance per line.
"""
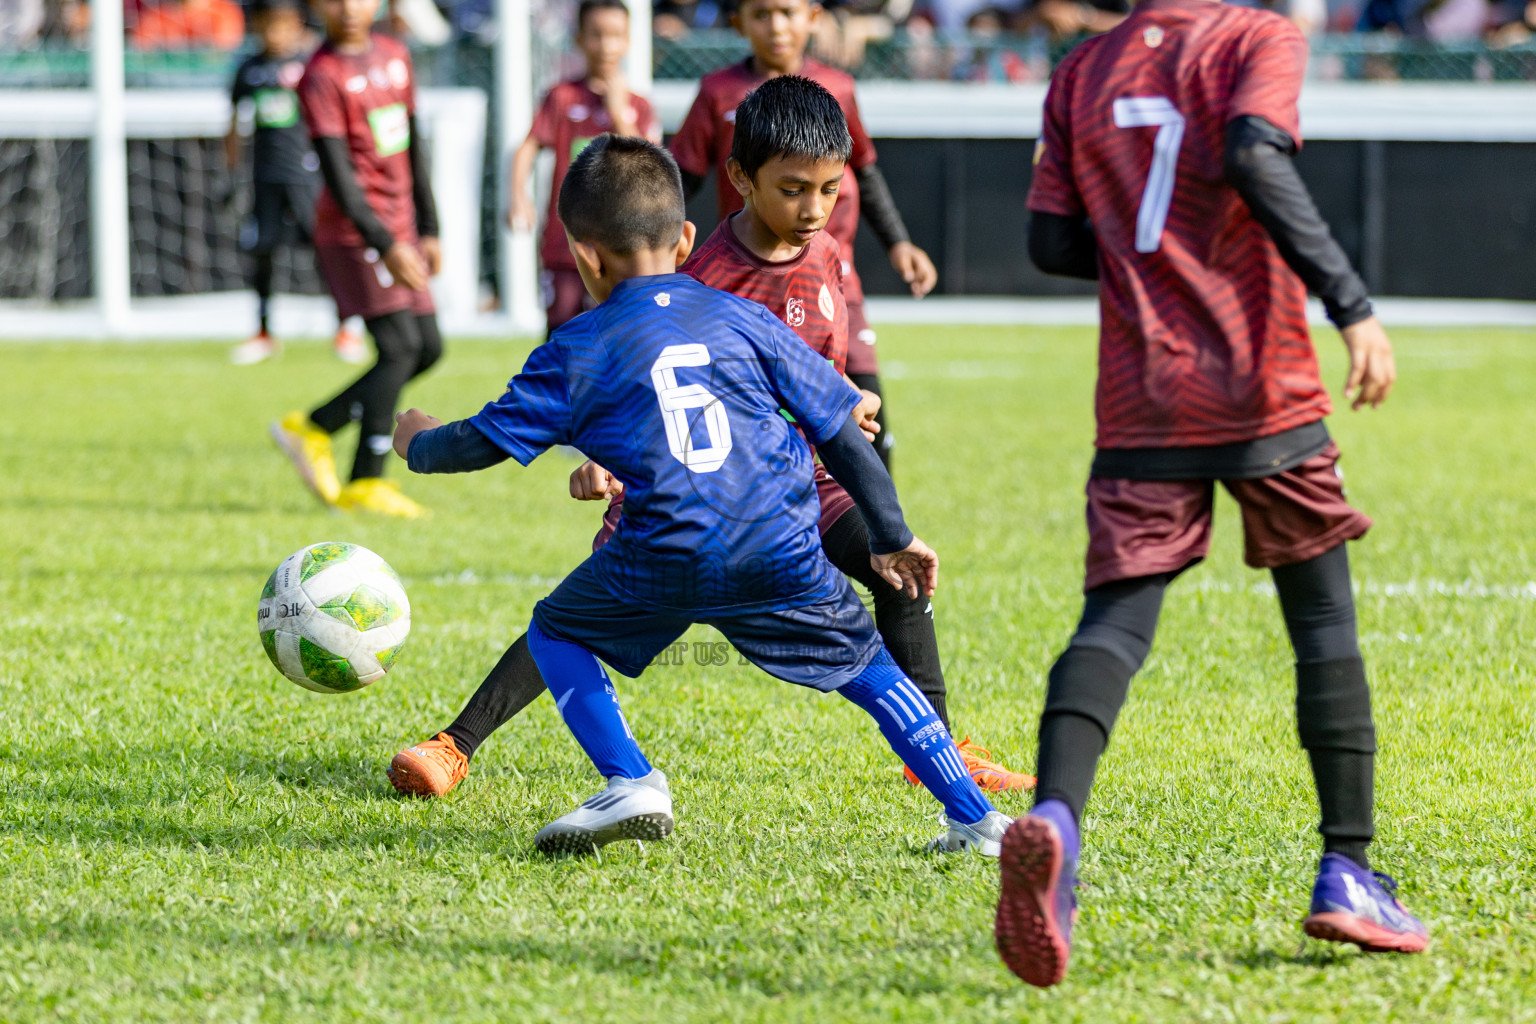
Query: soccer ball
x=333 y=617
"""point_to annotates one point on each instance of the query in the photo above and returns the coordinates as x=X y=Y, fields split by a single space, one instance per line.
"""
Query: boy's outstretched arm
x=429 y=446
x=903 y=560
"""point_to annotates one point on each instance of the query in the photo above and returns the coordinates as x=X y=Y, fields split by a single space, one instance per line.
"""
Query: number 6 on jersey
x=1154 y=112
x=677 y=399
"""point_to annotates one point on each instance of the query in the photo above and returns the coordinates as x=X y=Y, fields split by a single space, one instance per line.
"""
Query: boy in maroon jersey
x=573 y=114
x=1172 y=135
x=376 y=244
x=788 y=165
x=779 y=31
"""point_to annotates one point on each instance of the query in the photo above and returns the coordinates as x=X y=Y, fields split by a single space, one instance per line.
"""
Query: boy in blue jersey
x=677 y=389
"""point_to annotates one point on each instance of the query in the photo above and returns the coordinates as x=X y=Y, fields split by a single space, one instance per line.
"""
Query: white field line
x=1412 y=589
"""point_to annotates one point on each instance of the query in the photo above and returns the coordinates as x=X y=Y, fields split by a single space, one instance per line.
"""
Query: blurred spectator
x=674 y=19
x=1310 y=16
x=842 y=35
x=1514 y=21
x=987 y=59
x=189 y=24
x=21 y=23
x=1455 y=21
x=68 y=21
x=1067 y=18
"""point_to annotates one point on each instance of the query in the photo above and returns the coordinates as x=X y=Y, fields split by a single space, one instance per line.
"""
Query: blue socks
x=587 y=701
x=915 y=732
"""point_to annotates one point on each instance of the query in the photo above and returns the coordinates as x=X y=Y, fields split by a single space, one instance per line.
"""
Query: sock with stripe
x=914 y=731
x=589 y=704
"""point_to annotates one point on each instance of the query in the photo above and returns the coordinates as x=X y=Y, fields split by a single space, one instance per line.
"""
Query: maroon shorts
x=565 y=296
x=1144 y=527
x=862 y=357
x=362 y=286
x=835 y=503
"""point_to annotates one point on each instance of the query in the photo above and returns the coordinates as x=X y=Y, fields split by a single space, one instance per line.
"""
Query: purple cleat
x=1037 y=906
x=1351 y=904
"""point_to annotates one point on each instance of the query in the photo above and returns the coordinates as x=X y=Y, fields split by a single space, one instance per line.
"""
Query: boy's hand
x=915 y=268
x=913 y=570
x=1372 y=370
x=864 y=413
x=407 y=266
x=524 y=214
x=432 y=250
x=591 y=482
x=407 y=425
x=615 y=94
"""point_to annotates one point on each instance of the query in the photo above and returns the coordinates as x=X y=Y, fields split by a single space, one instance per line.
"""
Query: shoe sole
x=1372 y=938
x=1028 y=937
x=651 y=827
x=295 y=455
x=410 y=778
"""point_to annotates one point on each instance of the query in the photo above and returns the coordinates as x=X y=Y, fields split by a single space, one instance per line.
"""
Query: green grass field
x=184 y=835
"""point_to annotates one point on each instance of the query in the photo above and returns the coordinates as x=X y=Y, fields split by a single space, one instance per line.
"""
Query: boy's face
x=777 y=29
x=281 y=30
x=792 y=196
x=348 y=20
x=604 y=40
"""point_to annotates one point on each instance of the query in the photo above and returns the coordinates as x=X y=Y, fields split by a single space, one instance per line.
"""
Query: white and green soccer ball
x=333 y=617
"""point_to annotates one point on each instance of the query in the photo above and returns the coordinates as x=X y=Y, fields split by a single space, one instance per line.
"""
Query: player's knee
x=1333 y=706
x=431 y=348
x=1090 y=682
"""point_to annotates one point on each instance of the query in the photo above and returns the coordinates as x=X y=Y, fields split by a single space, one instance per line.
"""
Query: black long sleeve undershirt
x=693 y=184
x=878 y=208
x=341 y=180
x=1258 y=163
x=421 y=185
x=457 y=447
x=852 y=461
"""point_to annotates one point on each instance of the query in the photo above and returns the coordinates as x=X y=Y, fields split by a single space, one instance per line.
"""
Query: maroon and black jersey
x=805 y=292
x=367 y=99
x=571 y=116
x=703 y=144
x=1203 y=336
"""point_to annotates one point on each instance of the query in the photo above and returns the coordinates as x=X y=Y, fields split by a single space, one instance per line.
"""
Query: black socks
x=511 y=686
x=1087 y=687
x=1333 y=719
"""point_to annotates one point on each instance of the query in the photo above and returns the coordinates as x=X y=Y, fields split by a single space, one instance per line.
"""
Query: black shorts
x=282 y=213
x=822 y=645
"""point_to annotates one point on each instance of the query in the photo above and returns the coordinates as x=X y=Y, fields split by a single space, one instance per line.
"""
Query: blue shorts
x=821 y=645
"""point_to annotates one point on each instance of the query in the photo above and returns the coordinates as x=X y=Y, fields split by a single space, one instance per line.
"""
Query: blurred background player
x=779 y=31
x=285 y=173
x=572 y=114
x=375 y=243
x=790 y=150
x=1164 y=172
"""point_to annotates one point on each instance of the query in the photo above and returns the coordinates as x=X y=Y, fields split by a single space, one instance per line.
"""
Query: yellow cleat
x=379 y=496
x=309 y=448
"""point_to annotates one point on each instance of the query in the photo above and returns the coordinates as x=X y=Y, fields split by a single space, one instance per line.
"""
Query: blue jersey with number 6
x=681 y=392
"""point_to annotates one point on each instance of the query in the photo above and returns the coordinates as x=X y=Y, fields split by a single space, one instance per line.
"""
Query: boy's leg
x=1333 y=700
x=262 y=280
x=589 y=704
x=864 y=371
x=371 y=399
x=907 y=629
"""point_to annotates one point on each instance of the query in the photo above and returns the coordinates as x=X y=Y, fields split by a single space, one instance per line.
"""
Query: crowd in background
x=844 y=34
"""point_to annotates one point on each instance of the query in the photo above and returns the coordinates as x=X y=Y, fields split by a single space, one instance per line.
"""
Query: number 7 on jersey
x=1154 y=112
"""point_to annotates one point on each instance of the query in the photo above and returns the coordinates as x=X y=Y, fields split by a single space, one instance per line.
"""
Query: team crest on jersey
x=289 y=74
x=378 y=78
x=730 y=116
x=824 y=303
x=1153 y=36
x=357 y=83
x=794 y=313
x=664 y=299
x=399 y=74
x=578 y=112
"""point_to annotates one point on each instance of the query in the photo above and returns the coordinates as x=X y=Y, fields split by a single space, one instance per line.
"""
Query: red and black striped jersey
x=806 y=292
x=1203 y=336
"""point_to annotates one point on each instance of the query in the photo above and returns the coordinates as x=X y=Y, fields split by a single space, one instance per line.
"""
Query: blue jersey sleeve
x=805 y=383
x=535 y=413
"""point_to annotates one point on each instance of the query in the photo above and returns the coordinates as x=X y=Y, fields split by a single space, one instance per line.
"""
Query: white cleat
x=627 y=809
x=254 y=350
x=984 y=837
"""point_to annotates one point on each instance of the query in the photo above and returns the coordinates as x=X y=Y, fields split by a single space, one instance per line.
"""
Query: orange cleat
x=990 y=776
x=430 y=768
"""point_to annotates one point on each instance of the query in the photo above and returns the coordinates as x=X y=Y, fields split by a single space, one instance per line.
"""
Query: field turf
x=184 y=835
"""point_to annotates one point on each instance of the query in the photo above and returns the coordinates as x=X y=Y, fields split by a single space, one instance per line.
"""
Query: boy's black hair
x=623 y=194
x=789 y=116
x=264 y=7
x=588 y=6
